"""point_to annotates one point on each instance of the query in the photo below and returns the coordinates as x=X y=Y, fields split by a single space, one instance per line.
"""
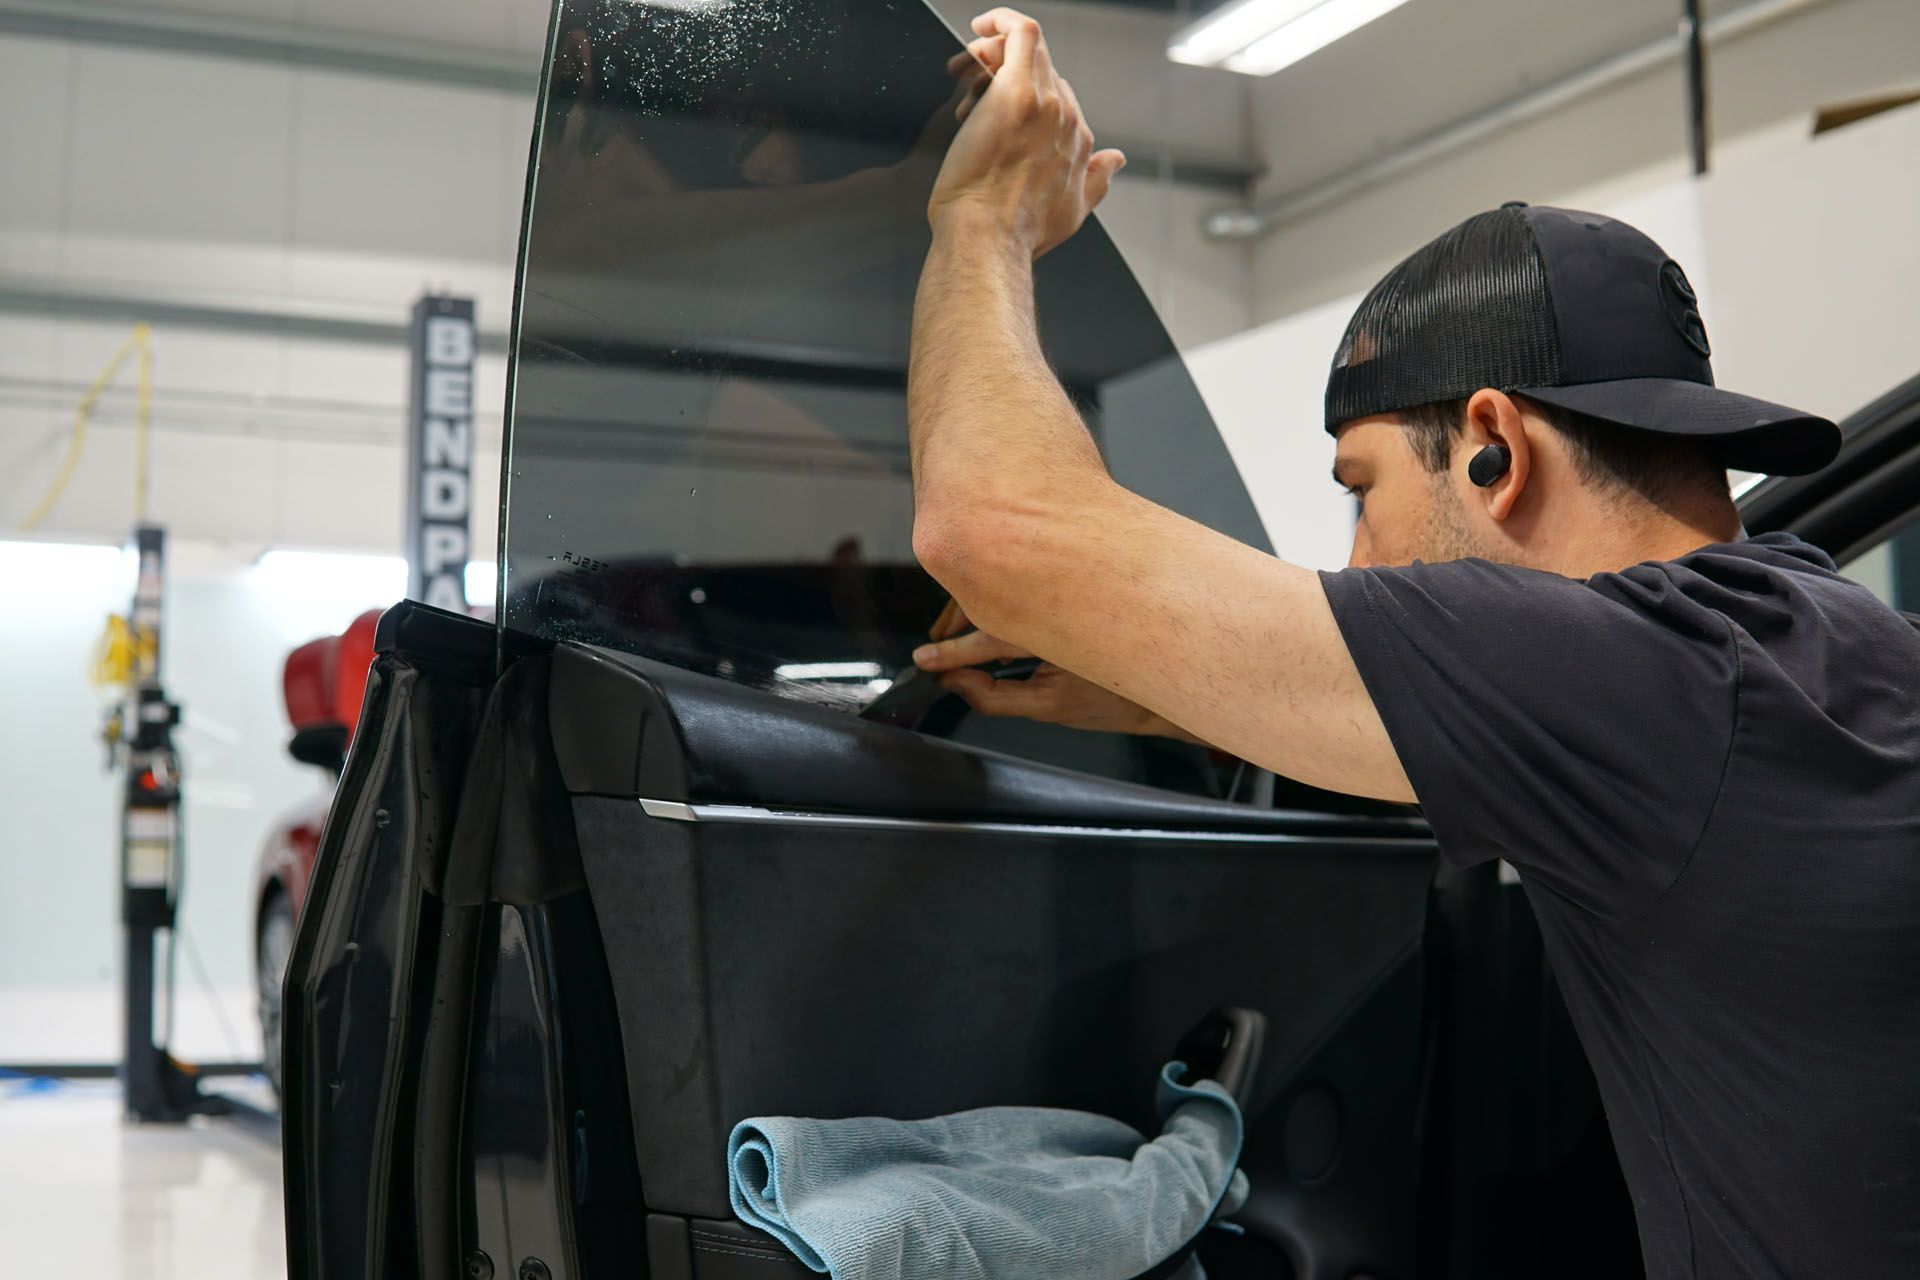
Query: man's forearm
x=990 y=426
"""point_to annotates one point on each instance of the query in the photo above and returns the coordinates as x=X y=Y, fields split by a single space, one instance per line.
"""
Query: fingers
x=1037 y=124
x=1100 y=170
x=1026 y=58
x=1010 y=41
x=992 y=697
x=968 y=650
x=989 y=51
x=981 y=58
x=995 y=21
x=1043 y=76
x=970 y=80
x=974 y=68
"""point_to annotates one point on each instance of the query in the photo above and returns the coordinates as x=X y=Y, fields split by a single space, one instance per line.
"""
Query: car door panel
x=843 y=970
x=567 y=999
x=811 y=944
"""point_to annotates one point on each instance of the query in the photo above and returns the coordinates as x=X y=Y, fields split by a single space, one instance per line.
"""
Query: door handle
x=1225 y=1047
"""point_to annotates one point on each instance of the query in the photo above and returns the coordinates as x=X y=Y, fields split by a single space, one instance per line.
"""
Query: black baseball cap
x=1571 y=309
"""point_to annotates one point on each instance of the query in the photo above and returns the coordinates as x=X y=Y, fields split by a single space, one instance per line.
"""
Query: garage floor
x=82 y=1193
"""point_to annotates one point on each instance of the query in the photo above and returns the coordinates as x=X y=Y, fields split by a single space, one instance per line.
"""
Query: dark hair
x=1619 y=460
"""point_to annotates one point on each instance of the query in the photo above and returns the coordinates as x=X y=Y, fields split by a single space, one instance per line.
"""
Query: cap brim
x=1751 y=435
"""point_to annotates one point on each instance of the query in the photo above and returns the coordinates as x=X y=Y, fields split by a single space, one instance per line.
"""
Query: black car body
x=630 y=866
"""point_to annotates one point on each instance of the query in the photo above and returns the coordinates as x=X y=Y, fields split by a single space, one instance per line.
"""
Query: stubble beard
x=1445 y=535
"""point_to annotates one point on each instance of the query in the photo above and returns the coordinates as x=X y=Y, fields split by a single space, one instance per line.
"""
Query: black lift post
x=140 y=740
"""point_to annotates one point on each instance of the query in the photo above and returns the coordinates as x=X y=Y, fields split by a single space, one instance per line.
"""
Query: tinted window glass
x=1891 y=570
x=707 y=449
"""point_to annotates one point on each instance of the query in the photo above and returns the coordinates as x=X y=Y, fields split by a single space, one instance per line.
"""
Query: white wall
x=228 y=628
x=1814 y=256
x=1593 y=153
x=1264 y=388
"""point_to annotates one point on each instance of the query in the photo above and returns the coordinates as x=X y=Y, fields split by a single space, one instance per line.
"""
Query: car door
x=1862 y=510
x=667 y=847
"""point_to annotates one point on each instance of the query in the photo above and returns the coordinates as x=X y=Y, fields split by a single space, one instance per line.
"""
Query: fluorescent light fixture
x=829 y=671
x=1259 y=37
x=333 y=577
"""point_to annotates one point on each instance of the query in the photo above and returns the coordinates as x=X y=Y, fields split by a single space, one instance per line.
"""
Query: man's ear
x=1493 y=418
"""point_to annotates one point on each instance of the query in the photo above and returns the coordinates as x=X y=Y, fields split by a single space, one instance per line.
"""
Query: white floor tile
x=85 y=1193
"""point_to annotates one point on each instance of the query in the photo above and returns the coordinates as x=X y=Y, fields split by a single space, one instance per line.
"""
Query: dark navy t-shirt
x=1708 y=775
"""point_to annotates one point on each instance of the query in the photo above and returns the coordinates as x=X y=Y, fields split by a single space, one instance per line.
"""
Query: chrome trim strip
x=671 y=810
x=678 y=812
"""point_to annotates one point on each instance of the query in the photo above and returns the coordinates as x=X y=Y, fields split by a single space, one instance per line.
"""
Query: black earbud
x=1489 y=464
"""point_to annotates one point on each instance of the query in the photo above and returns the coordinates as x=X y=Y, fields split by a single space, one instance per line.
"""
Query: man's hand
x=1052 y=693
x=1016 y=515
x=1023 y=160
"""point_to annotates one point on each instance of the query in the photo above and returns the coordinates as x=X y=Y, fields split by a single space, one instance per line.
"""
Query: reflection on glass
x=707 y=449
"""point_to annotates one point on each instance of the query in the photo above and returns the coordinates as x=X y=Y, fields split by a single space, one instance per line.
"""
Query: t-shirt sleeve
x=1580 y=730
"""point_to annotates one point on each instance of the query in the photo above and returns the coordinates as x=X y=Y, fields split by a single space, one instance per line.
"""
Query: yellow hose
x=142 y=413
x=137 y=340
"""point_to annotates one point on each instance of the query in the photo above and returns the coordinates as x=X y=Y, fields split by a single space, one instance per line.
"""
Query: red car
x=323 y=683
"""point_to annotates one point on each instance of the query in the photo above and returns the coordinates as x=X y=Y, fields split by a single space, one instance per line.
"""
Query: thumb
x=965 y=651
x=1101 y=167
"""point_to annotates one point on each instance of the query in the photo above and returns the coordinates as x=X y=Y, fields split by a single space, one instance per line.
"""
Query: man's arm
x=1018 y=518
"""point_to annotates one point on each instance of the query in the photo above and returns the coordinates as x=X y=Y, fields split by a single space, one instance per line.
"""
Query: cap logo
x=1682 y=307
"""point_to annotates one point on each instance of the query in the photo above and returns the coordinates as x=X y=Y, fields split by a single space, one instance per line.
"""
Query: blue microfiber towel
x=992 y=1193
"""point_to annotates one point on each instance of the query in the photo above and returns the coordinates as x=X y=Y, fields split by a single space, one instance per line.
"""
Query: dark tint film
x=707 y=450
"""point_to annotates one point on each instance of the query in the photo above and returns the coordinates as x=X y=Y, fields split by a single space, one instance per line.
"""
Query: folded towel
x=990 y=1194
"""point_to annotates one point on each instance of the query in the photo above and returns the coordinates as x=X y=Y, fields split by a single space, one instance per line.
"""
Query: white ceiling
x=1432 y=62
x=515 y=26
x=1425 y=65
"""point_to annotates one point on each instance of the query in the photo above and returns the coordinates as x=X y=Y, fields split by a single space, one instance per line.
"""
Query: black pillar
x=1695 y=55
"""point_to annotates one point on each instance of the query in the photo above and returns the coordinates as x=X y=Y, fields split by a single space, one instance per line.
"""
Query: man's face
x=1407 y=513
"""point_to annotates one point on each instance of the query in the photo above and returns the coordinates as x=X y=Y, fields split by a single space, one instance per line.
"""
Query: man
x=1701 y=752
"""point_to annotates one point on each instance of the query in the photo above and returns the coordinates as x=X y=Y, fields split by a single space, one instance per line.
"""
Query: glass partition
x=706 y=456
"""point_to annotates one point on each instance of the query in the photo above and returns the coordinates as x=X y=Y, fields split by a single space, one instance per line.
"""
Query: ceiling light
x=1259 y=37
